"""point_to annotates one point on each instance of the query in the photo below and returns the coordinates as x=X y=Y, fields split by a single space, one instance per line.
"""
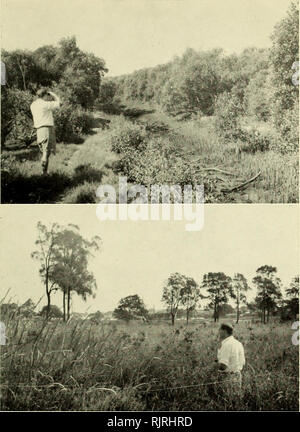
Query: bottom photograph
x=128 y=315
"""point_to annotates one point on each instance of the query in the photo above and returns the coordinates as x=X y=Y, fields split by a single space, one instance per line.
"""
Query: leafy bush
x=8 y=163
x=253 y=140
x=82 y=194
x=228 y=111
x=287 y=124
x=17 y=125
x=259 y=94
x=16 y=119
x=54 y=312
x=128 y=140
x=71 y=122
x=127 y=137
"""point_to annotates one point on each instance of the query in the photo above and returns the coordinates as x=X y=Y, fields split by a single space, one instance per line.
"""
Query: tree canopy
x=131 y=307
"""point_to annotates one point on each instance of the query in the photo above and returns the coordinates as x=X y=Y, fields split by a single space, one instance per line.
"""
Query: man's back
x=232 y=354
x=42 y=112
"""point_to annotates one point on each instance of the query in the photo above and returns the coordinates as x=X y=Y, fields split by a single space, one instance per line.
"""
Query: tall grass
x=108 y=366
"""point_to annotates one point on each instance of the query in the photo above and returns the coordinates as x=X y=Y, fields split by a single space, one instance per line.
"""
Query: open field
x=114 y=366
x=176 y=153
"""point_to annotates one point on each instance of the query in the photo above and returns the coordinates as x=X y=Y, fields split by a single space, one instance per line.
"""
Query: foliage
x=54 y=312
x=191 y=83
x=259 y=94
x=253 y=140
x=181 y=290
x=284 y=52
x=107 y=91
x=71 y=122
x=127 y=140
x=63 y=255
x=240 y=287
x=27 y=309
x=287 y=124
x=46 y=244
x=227 y=116
x=72 y=73
x=16 y=120
x=127 y=137
x=190 y=296
x=292 y=301
x=219 y=288
x=51 y=366
x=70 y=270
x=131 y=307
x=96 y=317
x=225 y=309
x=84 y=193
x=23 y=72
x=268 y=290
x=77 y=74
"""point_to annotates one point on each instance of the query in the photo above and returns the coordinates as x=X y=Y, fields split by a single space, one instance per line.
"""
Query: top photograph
x=147 y=101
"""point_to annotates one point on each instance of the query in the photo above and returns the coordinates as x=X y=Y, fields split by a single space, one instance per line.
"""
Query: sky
x=137 y=257
x=132 y=34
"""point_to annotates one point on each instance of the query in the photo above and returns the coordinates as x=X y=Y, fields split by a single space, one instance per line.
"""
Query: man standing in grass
x=41 y=110
x=231 y=360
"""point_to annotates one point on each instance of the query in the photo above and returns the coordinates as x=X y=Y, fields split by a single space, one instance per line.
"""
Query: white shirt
x=42 y=112
x=232 y=354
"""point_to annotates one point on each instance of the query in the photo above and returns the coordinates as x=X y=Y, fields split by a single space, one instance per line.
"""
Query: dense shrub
x=16 y=119
x=128 y=140
x=258 y=96
x=228 y=111
x=287 y=124
x=71 y=122
x=127 y=136
x=82 y=194
x=253 y=140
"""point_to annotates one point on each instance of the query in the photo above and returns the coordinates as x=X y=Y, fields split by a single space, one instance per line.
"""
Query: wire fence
x=93 y=388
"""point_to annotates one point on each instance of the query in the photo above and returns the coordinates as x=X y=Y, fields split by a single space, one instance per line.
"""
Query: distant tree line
x=256 y=83
x=220 y=288
x=182 y=295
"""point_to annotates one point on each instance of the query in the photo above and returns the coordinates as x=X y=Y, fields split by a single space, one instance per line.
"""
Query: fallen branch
x=216 y=169
x=241 y=185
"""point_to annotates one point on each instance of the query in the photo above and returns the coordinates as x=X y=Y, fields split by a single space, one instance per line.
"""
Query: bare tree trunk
x=216 y=312
x=173 y=319
x=48 y=305
x=237 y=312
x=68 y=304
x=187 y=316
x=48 y=296
x=64 y=305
